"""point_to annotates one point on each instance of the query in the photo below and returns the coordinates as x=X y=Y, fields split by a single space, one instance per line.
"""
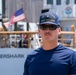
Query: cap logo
x=42 y=16
x=49 y=18
x=43 y=20
x=52 y=20
x=53 y=16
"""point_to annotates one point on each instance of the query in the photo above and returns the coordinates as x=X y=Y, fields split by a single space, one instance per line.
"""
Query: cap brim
x=48 y=23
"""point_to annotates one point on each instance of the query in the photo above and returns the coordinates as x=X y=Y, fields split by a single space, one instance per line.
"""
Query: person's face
x=49 y=32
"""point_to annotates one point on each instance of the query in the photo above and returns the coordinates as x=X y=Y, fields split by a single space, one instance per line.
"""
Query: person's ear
x=59 y=31
x=38 y=30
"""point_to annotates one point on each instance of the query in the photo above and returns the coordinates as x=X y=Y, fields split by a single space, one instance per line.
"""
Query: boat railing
x=5 y=35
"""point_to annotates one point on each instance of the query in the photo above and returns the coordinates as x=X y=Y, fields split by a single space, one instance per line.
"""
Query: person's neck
x=49 y=45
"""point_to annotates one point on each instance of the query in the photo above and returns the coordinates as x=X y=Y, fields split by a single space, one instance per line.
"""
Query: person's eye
x=52 y=26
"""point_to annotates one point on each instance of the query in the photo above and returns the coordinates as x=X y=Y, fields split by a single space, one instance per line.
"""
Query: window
x=49 y=1
x=58 y=2
x=74 y=1
x=67 y=2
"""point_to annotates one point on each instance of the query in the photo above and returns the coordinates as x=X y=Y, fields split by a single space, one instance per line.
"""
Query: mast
x=26 y=19
x=3 y=14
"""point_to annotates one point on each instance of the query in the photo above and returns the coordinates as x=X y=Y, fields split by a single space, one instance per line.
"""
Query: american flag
x=18 y=16
x=6 y=24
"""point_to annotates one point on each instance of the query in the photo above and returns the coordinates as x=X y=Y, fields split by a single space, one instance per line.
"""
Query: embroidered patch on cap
x=50 y=18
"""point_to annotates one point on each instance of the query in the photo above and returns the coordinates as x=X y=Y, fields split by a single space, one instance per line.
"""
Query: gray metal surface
x=12 y=60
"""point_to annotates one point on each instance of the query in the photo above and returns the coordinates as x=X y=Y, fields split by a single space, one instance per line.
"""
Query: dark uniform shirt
x=58 y=61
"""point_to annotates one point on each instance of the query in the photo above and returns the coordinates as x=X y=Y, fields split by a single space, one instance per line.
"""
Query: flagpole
x=26 y=19
x=27 y=22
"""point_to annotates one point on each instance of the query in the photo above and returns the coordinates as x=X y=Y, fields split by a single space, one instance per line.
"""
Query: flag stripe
x=19 y=15
x=18 y=18
x=19 y=12
x=6 y=24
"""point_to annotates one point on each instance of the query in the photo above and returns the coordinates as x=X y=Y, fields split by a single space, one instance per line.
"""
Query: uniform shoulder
x=66 y=49
x=33 y=53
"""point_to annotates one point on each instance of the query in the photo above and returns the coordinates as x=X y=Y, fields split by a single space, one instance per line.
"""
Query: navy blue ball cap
x=49 y=18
